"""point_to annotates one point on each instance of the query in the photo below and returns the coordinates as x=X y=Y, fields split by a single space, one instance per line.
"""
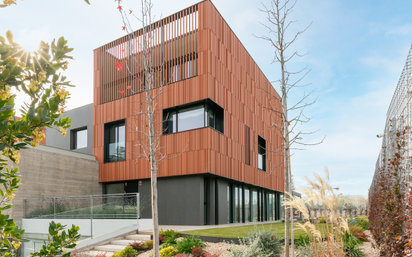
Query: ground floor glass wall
x=247 y=204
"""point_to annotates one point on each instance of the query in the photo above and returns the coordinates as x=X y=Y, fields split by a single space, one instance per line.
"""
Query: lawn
x=241 y=231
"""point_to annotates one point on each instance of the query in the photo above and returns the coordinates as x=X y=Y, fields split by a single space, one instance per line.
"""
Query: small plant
x=149 y=244
x=361 y=236
x=138 y=246
x=302 y=241
x=258 y=243
x=127 y=252
x=168 y=252
x=351 y=245
x=355 y=229
x=170 y=233
x=187 y=243
x=198 y=252
x=181 y=255
x=162 y=239
x=322 y=219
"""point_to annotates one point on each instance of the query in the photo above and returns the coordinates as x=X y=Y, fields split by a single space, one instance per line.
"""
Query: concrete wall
x=51 y=172
x=81 y=117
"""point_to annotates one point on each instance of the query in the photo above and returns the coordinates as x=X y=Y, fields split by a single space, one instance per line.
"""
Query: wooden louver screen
x=173 y=49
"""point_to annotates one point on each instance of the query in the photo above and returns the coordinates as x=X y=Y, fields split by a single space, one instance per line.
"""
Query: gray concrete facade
x=51 y=172
x=186 y=200
x=81 y=117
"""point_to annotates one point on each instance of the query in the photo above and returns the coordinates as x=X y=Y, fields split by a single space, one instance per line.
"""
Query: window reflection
x=115 y=141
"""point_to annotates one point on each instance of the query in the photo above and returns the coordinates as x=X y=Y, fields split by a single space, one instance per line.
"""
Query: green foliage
x=302 y=241
x=355 y=229
x=127 y=252
x=187 y=243
x=59 y=241
x=149 y=244
x=322 y=219
x=258 y=243
x=170 y=233
x=37 y=75
x=351 y=245
x=361 y=218
x=168 y=252
x=360 y=222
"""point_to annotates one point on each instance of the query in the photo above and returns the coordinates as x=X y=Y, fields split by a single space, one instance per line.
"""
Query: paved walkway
x=187 y=228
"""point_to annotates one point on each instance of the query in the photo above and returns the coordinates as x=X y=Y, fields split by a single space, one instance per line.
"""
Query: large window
x=200 y=114
x=115 y=141
x=79 y=138
x=261 y=153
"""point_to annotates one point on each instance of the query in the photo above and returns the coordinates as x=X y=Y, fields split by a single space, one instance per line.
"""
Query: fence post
x=91 y=216
x=54 y=208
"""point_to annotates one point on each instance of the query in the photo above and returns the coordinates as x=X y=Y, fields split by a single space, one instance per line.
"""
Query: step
x=109 y=248
x=123 y=242
x=97 y=253
x=138 y=237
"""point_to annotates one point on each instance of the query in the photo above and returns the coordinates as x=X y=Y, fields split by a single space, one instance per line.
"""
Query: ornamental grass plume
x=328 y=239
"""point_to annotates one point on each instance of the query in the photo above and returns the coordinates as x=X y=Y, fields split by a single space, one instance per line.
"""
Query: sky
x=355 y=51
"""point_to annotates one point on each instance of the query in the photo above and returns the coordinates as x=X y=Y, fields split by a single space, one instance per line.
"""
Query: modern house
x=221 y=167
x=212 y=97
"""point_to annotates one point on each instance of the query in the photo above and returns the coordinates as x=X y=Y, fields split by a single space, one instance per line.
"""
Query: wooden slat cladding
x=226 y=74
x=173 y=50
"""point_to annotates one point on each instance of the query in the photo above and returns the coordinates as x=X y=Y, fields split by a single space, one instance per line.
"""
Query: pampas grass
x=320 y=193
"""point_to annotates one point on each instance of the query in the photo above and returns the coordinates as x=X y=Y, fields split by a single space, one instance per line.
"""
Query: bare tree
x=140 y=50
x=278 y=23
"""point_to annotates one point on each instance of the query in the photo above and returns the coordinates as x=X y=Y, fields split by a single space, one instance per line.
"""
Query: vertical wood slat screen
x=173 y=46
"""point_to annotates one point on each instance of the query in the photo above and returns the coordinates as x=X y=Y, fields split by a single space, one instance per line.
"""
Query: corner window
x=78 y=138
x=115 y=141
x=261 y=153
x=195 y=115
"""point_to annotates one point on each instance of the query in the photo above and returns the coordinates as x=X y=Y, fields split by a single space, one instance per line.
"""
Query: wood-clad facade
x=196 y=56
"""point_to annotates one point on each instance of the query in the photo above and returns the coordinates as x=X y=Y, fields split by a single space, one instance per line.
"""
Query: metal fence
x=110 y=206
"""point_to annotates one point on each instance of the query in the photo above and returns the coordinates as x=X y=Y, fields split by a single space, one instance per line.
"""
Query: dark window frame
x=107 y=126
x=261 y=151
x=73 y=138
x=209 y=106
x=247 y=145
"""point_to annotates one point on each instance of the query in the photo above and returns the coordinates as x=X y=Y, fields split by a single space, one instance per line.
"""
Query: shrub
x=355 y=229
x=322 y=219
x=361 y=236
x=258 y=243
x=127 y=252
x=351 y=245
x=162 y=239
x=198 y=252
x=187 y=243
x=138 y=246
x=181 y=255
x=170 y=233
x=361 y=218
x=149 y=244
x=302 y=241
x=364 y=223
x=168 y=252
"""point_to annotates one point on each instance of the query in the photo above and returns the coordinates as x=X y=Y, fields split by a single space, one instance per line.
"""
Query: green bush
x=149 y=244
x=187 y=243
x=168 y=252
x=258 y=243
x=302 y=241
x=361 y=222
x=361 y=218
x=351 y=245
x=355 y=229
x=169 y=234
x=322 y=219
x=127 y=252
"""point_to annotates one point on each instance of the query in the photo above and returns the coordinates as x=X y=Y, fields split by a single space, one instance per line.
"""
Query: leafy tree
x=35 y=74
